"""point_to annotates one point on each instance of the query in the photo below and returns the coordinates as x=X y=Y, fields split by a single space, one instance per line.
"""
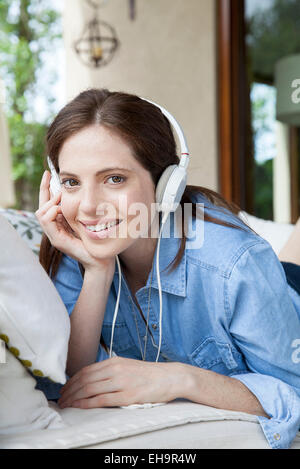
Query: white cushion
x=34 y=322
x=22 y=407
x=178 y=424
x=275 y=233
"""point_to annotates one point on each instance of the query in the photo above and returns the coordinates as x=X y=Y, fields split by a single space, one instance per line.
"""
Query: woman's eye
x=116 y=179
x=71 y=183
x=64 y=183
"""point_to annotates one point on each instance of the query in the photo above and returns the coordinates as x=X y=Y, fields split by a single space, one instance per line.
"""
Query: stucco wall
x=168 y=55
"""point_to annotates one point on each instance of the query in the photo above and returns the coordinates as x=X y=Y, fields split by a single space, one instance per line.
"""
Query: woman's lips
x=93 y=223
x=101 y=234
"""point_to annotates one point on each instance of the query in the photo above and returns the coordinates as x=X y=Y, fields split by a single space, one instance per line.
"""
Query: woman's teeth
x=101 y=227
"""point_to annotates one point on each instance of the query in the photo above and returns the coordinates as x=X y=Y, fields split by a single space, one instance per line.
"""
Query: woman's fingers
x=44 y=194
x=100 y=369
x=58 y=231
x=109 y=376
x=51 y=218
x=47 y=220
x=51 y=213
x=45 y=207
x=45 y=199
x=48 y=207
x=112 y=399
x=90 y=389
x=83 y=378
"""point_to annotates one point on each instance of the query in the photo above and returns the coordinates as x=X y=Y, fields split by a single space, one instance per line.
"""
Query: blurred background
x=229 y=71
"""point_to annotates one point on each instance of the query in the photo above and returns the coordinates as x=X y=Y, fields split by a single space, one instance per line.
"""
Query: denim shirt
x=227 y=308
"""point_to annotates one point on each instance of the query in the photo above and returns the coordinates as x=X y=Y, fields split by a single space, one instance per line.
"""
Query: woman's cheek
x=69 y=211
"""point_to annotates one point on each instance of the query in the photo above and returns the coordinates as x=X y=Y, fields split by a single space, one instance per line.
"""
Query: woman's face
x=93 y=194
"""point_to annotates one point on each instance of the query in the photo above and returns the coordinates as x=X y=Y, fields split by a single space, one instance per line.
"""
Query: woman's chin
x=103 y=248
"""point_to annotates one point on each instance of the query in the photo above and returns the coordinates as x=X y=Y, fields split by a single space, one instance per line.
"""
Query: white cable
x=148 y=404
x=164 y=219
x=116 y=308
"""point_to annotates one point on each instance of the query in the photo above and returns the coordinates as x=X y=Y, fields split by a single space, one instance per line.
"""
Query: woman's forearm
x=216 y=390
x=86 y=321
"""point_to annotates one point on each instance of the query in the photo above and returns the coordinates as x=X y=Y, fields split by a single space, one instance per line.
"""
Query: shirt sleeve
x=68 y=282
x=265 y=326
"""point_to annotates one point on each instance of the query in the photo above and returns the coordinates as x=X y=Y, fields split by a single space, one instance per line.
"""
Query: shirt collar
x=171 y=282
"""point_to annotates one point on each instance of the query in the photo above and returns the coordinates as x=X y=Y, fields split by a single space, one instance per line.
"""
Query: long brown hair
x=149 y=134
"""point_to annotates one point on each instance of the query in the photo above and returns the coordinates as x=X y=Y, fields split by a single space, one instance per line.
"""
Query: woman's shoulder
x=221 y=245
x=218 y=211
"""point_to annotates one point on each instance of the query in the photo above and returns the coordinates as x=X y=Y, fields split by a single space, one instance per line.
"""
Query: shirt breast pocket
x=123 y=344
x=216 y=356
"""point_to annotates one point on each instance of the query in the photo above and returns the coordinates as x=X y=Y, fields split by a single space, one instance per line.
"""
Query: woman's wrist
x=102 y=277
x=182 y=381
x=215 y=390
x=103 y=271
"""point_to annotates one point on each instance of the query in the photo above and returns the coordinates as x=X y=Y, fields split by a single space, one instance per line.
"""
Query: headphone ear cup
x=162 y=183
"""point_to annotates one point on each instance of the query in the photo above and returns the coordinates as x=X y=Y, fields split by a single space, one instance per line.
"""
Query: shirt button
x=154 y=326
x=277 y=436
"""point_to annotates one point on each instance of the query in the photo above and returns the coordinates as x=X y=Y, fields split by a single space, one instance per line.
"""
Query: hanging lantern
x=98 y=43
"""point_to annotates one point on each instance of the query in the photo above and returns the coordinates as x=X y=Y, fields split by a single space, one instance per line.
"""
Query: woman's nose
x=89 y=200
x=93 y=203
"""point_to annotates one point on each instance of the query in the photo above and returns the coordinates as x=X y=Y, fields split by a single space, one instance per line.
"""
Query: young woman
x=231 y=322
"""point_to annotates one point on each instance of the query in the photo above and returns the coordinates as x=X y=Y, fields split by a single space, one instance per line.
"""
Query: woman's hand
x=59 y=232
x=121 y=381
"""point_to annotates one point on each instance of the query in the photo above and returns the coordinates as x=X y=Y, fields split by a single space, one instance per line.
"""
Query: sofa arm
x=26 y=225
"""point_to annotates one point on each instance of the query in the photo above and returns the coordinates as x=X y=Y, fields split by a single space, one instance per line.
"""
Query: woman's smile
x=101 y=231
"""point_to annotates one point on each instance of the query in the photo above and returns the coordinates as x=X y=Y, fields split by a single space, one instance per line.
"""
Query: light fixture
x=98 y=42
x=132 y=9
x=287 y=82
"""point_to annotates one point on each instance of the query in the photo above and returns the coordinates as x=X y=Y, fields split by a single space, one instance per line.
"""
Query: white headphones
x=169 y=191
x=172 y=183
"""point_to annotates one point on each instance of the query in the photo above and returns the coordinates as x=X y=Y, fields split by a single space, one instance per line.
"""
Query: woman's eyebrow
x=105 y=170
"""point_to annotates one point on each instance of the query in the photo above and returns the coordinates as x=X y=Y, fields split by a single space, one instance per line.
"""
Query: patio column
x=281 y=175
x=7 y=192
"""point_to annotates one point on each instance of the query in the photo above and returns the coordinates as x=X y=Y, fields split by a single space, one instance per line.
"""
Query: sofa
x=179 y=424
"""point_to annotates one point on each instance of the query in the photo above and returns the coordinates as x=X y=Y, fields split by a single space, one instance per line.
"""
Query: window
x=253 y=35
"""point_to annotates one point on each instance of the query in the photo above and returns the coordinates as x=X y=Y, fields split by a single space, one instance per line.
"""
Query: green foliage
x=28 y=29
x=273 y=33
x=263 y=189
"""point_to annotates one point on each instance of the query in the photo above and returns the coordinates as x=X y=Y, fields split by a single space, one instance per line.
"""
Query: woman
x=230 y=320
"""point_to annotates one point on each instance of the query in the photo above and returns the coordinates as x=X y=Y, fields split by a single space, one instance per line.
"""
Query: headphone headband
x=184 y=151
